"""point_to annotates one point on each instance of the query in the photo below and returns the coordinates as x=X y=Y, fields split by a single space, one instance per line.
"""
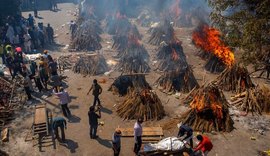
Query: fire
x=199 y=103
x=208 y=39
x=174 y=55
x=175 y=10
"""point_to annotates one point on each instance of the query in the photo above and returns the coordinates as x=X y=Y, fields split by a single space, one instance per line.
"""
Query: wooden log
x=4 y=135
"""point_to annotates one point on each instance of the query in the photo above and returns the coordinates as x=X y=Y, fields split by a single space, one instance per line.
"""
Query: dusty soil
x=236 y=143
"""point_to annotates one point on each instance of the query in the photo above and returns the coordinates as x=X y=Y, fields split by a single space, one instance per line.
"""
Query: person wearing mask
x=188 y=132
x=116 y=142
x=97 y=90
x=204 y=146
x=93 y=121
x=138 y=135
x=59 y=122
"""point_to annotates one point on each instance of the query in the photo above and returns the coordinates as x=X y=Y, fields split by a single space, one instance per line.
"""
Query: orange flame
x=174 y=55
x=208 y=39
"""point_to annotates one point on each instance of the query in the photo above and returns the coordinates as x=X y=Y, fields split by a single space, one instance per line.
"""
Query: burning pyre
x=91 y=64
x=177 y=76
x=209 y=110
x=208 y=39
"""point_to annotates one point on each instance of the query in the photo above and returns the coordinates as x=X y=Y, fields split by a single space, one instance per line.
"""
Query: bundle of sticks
x=209 y=110
x=177 y=81
x=10 y=99
x=87 y=37
x=235 y=79
x=141 y=103
x=121 y=42
x=134 y=59
x=91 y=64
x=64 y=62
x=124 y=82
x=163 y=32
x=171 y=57
x=204 y=55
x=254 y=100
x=215 y=65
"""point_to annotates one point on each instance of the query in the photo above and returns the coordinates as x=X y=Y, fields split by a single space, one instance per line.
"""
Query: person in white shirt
x=138 y=135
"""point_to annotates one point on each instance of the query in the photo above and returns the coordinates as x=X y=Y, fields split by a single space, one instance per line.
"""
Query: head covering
x=45 y=51
x=41 y=63
x=118 y=131
x=18 y=49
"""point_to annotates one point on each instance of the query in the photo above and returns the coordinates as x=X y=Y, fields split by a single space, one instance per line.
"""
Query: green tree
x=246 y=24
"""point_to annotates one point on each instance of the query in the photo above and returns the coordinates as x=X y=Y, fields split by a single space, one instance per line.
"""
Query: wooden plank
x=4 y=135
x=40 y=116
x=147 y=131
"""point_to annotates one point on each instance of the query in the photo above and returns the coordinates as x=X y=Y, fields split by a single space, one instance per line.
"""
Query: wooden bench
x=149 y=134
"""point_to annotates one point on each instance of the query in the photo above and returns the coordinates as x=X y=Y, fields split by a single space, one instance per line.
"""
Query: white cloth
x=167 y=144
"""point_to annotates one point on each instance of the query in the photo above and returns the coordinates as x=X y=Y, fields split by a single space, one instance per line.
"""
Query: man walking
x=93 y=121
x=50 y=33
x=64 y=100
x=97 y=90
x=138 y=135
x=59 y=122
x=116 y=142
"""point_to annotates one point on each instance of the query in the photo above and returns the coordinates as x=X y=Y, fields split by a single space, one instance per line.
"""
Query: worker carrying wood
x=188 y=133
x=59 y=122
x=204 y=146
x=97 y=90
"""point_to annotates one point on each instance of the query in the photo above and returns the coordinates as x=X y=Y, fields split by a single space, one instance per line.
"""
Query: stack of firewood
x=177 y=81
x=11 y=98
x=92 y=64
x=124 y=82
x=134 y=59
x=209 y=110
x=254 y=100
x=214 y=65
x=235 y=79
x=87 y=36
x=141 y=103
x=164 y=32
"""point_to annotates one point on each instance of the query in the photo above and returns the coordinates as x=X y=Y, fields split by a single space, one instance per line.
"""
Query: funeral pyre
x=139 y=99
x=209 y=110
x=162 y=32
x=87 y=35
x=178 y=75
x=255 y=100
x=12 y=97
x=124 y=82
x=235 y=79
x=134 y=59
x=208 y=40
x=91 y=64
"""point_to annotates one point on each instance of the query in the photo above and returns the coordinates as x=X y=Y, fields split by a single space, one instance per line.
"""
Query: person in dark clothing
x=266 y=69
x=59 y=122
x=17 y=66
x=33 y=37
x=93 y=121
x=116 y=142
x=26 y=86
x=50 y=33
x=52 y=66
x=9 y=63
x=31 y=20
x=72 y=28
x=43 y=75
x=41 y=38
x=38 y=83
x=188 y=131
x=97 y=90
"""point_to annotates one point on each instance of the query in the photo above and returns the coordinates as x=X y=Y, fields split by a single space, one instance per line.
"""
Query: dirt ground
x=236 y=143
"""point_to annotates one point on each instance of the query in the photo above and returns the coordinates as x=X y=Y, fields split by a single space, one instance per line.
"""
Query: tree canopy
x=246 y=25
